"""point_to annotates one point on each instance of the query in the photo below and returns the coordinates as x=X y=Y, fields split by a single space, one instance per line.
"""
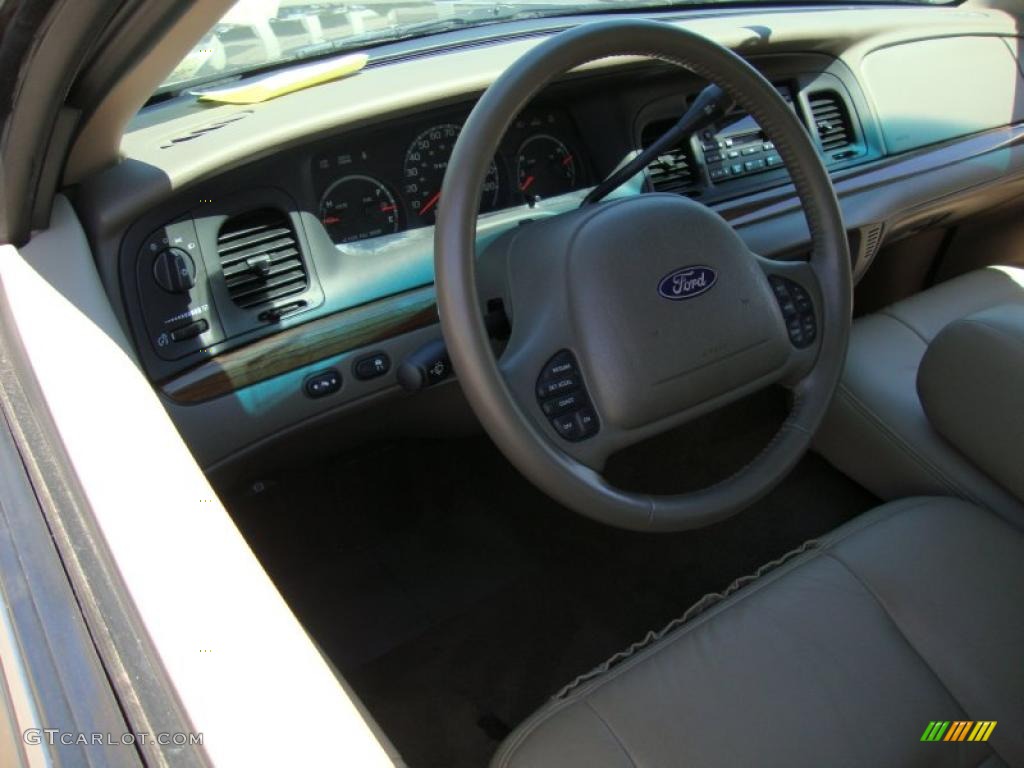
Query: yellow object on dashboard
x=287 y=81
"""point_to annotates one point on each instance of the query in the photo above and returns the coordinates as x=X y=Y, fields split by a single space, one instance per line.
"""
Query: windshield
x=255 y=34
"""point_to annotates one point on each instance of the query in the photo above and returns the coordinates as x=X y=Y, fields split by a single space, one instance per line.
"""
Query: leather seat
x=876 y=431
x=839 y=656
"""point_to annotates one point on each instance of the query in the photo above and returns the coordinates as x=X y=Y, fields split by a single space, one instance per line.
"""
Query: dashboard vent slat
x=872 y=241
x=260 y=259
x=831 y=120
x=672 y=171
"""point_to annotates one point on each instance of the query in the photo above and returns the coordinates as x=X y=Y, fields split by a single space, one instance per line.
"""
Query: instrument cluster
x=377 y=183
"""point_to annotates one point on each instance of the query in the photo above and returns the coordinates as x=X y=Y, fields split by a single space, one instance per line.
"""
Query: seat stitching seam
x=907 y=449
x=899 y=630
x=581 y=694
x=812 y=549
x=611 y=732
x=905 y=324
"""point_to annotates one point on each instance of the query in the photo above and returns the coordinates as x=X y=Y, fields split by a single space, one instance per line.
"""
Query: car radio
x=738 y=147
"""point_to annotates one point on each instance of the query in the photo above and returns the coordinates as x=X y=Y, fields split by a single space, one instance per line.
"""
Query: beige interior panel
x=247 y=674
x=929 y=91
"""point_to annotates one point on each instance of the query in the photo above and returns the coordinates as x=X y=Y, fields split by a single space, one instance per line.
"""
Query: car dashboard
x=274 y=263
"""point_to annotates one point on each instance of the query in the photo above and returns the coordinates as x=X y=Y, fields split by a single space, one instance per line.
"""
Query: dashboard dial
x=545 y=167
x=358 y=207
x=425 y=164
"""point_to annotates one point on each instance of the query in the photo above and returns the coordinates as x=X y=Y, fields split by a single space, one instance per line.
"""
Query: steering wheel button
x=559 y=366
x=554 y=387
x=587 y=419
x=567 y=426
x=562 y=404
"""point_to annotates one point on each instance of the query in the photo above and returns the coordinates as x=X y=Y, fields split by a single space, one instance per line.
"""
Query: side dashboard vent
x=260 y=259
x=872 y=241
x=831 y=120
x=672 y=171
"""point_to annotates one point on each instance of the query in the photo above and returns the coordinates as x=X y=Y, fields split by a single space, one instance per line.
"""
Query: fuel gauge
x=545 y=167
x=358 y=207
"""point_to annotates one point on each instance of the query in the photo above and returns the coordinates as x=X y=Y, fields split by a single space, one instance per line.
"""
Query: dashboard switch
x=174 y=271
x=427 y=366
x=190 y=331
x=371 y=366
x=323 y=383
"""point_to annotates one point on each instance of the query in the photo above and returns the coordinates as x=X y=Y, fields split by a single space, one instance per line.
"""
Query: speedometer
x=425 y=164
x=358 y=207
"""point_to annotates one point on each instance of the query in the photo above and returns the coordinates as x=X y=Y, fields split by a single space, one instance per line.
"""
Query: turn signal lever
x=710 y=106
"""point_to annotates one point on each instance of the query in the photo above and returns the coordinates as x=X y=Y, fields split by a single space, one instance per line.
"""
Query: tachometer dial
x=358 y=207
x=545 y=167
x=425 y=164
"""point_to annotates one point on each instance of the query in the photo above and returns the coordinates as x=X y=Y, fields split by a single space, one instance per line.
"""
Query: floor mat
x=456 y=598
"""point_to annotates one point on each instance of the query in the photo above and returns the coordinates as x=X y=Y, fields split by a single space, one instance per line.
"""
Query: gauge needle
x=387 y=208
x=526 y=184
x=430 y=203
x=567 y=160
x=332 y=220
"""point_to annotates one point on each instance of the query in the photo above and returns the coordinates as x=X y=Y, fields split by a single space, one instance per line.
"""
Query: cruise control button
x=559 y=366
x=567 y=426
x=587 y=419
x=560 y=405
x=552 y=387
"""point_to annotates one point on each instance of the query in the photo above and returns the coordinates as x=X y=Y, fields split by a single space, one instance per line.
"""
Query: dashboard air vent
x=671 y=171
x=260 y=259
x=831 y=120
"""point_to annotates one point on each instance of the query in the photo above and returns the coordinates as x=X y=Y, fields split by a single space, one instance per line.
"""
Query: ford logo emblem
x=687 y=283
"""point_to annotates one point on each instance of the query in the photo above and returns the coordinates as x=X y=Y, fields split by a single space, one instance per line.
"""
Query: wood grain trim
x=304 y=344
x=746 y=210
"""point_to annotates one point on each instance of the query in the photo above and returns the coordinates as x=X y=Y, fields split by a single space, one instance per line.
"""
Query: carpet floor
x=455 y=598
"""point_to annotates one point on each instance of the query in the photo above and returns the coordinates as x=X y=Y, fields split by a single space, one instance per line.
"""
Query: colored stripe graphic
x=958 y=730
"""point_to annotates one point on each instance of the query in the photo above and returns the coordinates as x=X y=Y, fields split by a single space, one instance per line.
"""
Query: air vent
x=872 y=239
x=831 y=120
x=202 y=130
x=672 y=171
x=260 y=259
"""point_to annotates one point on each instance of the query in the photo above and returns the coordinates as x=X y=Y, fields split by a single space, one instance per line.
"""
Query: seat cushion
x=840 y=656
x=876 y=430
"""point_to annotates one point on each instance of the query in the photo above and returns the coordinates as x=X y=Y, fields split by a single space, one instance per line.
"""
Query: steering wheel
x=635 y=315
